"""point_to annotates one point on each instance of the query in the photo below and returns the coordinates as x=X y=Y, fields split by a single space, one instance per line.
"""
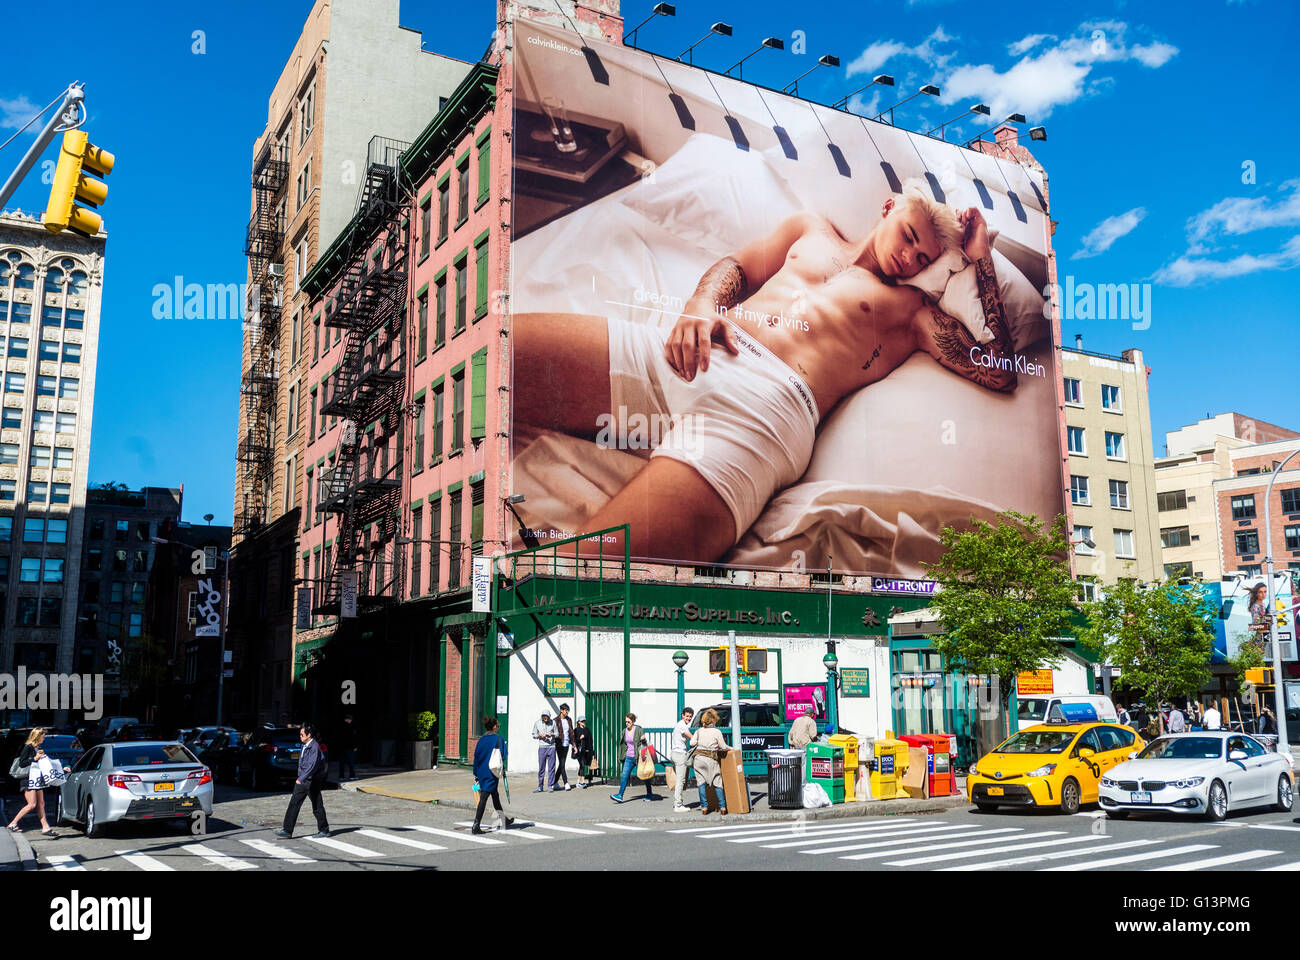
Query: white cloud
x=1235 y=216
x=875 y=56
x=1100 y=238
x=14 y=113
x=1025 y=44
x=1188 y=269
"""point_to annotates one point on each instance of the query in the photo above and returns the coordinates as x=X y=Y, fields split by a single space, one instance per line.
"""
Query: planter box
x=422 y=754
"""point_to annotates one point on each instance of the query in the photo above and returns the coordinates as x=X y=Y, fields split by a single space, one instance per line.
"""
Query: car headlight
x=1108 y=782
x=973 y=772
x=1043 y=771
x=1189 y=782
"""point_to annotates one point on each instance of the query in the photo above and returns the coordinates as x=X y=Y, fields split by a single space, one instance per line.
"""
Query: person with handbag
x=679 y=752
x=710 y=745
x=35 y=771
x=312 y=768
x=489 y=766
x=584 y=751
x=629 y=743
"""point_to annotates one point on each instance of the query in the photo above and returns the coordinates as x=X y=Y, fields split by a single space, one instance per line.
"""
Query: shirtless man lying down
x=746 y=397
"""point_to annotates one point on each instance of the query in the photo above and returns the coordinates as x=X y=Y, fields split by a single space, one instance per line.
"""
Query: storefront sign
x=887 y=585
x=748 y=684
x=209 y=610
x=482 y=585
x=855 y=682
x=799 y=696
x=761 y=741
x=688 y=612
x=304 y=608
x=559 y=685
x=1031 y=682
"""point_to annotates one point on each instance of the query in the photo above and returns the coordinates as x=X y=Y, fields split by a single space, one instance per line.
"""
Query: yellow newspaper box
x=849 y=743
x=891 y=762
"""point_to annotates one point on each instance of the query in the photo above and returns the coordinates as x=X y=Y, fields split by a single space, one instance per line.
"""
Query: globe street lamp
x=832 y=663
x=679 y=661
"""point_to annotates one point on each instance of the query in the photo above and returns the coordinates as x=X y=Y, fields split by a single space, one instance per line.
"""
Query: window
x=295 y=336
x=48 y=350
x=1243 y=507
x=7 y=489
x=306 y=114
x=53 y=570
x=435 y=548
x=67 y=423
x=1081 y=534
x=1119 y=494
x=1124 y=544
x=444 y=209
x=484 y=167
x=1291 y=500
x=46 y=386
x=1075 y=440
x=311 y=420
x=307 y=496
x=417 y=548
x=51 y=315
x=8 y=454
x=1115 y=445
x=69 y=388
x=117 y=591
x=476 y=518
x=97 y=528
x=72 y=353
x=139 y=561
x=30 y=571
x=1171 y=500
x=120 y=529
x=142 y=531
x=290 y=483
x=422 y=325
x=92 y=591
x=462 y=192
x=43 y=421
x=1247 y=542
x=73 y=319
x=440 y=311
x=462 y=292
x=426 y=226
x=1292 y=535
x=37 y=492
x=1073 y=395
x=18 y=345
x=300 y=260
x=1110 y=398
x=315 y=339
x=481 y=280
x=12 y=418
x=1250 y=570
x=95 y=559
x=1177 y=571
x=458 y=411
x=39 y=457
x=50 y=608
x=61 y=493
x=6 y=529
x=1079 y=491
x=119 y=561
x=54 y=280
x=453 y=535
x=478 y=395
x=34 y=530
x=26 y=611
x=56 y=531
x=292 y=413
x=1175 y=537
x=417 y=441
x=135 y=624
x=303 y=184
x=436 y=438
x=15 y=382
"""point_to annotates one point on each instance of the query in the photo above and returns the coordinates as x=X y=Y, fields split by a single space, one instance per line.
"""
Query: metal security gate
x=605 y=713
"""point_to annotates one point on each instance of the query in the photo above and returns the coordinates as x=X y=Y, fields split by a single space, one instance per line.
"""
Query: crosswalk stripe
x=620 y=826
x=966 y=830
x=61 y=861
x=765 y=826
x=556 y=826
x=344 y=847
x=1059 y=855
x=220 y=859
x=948 y=843
x=516 y=832
x=1218 y=861
x=143 y=861
x=1135 y=858
x=915 y=832
x=939 y=858
x=817 y=830
x=1281 y=866
x=456 y=836
x=1272 y=826
x=275 y=850
x=404 y=841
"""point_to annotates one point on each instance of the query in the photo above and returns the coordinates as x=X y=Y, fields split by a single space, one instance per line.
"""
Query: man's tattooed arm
x=723 y=284
x=946 y=338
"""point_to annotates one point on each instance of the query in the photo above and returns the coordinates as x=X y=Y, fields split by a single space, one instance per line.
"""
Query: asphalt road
x=371 y=833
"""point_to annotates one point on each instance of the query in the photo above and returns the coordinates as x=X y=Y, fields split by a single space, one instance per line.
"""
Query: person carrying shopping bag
x=36 y=771
x=489 y=771
x=710 y=745
x=629 y=744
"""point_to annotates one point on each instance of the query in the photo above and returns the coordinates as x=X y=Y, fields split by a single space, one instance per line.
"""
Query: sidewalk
x=452 y=786
x=15 y=852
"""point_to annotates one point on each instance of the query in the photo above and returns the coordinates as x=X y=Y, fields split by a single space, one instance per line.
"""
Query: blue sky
x=1158 y=114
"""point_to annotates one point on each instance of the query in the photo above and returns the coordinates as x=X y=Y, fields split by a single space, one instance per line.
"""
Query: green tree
x=1250 y=653
x=1005 y=596
x=1160 y=637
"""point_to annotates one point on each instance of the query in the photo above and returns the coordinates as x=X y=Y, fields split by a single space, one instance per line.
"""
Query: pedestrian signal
x=719 y=661
x=752 y=659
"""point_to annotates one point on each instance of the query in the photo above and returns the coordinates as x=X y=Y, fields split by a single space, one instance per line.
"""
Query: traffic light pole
x=1279 y=693
x=69 y=116
x=735 y=690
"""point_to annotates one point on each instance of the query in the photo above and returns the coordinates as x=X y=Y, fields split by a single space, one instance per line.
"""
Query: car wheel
x=985 y=807
x=1070 y=796
x=1116 y=814
x=1217 y=806
x=93 y=827
x=1285 y=794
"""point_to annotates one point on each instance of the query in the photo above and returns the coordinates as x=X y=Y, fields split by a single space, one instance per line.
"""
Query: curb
x=26 y=855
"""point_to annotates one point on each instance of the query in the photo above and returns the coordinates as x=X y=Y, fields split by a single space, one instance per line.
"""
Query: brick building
x=1239 y=502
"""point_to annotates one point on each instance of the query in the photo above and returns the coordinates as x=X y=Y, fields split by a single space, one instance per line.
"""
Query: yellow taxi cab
x=1050 y=765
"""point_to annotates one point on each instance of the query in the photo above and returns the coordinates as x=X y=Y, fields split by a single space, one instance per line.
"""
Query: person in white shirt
x=1213 y=719
x=1177 y=722
x=680 y=747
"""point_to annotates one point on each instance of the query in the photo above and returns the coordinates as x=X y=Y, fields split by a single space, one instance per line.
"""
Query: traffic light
x=76 y=156
x=1260 y=676
x=1281 y=611
x=752 y=659
x=719 y=660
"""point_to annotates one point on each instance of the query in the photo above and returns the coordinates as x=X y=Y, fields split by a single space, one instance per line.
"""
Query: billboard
x=761 y=331
x=800 y=696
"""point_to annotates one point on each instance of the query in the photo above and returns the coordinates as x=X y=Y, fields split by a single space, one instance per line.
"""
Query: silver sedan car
x=138 y=780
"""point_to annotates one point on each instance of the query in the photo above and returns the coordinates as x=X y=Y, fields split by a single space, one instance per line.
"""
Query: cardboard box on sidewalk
x=916 y=781
x=734 y=784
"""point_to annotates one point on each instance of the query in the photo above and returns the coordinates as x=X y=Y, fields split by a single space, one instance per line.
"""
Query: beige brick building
x=1239 y=503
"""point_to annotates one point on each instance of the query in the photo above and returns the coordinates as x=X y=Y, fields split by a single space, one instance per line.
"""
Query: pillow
x=933 y=280
x=1022 y=304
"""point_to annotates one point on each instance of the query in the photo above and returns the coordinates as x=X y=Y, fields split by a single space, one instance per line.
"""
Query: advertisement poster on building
x=482 y=585
x=800 y=696
x=757 y=329
x=1034 y=682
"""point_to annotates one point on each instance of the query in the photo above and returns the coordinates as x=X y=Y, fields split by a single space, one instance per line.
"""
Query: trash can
x=938 y=760
x=826 y=767
x=785 y=779
x=849 y=743
x=891 y=761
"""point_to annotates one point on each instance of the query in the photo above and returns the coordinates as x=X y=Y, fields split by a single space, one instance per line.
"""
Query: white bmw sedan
x=1207 y=773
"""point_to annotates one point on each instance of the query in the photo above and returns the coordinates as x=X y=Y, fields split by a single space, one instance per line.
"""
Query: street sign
x=748 y=684
x=348 y=594
x=855 y=682
x=559 y=685
x=304 y=608
x=482 y=585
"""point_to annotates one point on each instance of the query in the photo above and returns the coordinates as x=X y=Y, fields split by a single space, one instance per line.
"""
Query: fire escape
x=260 y=379
x=363 y=487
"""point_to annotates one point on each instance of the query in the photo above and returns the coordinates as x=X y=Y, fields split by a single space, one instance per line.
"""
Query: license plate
x=995 y=791
x=1139 y=798
x=165 y=786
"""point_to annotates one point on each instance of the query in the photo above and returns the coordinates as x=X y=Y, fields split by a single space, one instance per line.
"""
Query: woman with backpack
x=489 y=765
x=35 y=777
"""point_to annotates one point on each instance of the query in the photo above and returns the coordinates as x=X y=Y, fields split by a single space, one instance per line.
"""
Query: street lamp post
x=832 y=662
x=679 y=661
x=1279 y=699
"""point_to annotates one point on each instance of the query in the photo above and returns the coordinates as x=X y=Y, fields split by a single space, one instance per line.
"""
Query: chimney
x=1078 y=341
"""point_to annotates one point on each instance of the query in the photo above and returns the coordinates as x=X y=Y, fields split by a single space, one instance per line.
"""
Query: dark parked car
x=220 y=753
x=270 y=757
x=131 y=732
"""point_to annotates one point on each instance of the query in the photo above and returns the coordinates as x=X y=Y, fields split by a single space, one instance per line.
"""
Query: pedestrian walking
x=710 y=745
x=35 y=771
x=629 y=742
x=1177 y=722
x=487 y=777
x=584 y=751
x=804 y=730
x=1213 y=719
x=563 y=740
x=312 y=768
x=348 y=750
x=544 y=734
x=1267 y=719
x=679 y=753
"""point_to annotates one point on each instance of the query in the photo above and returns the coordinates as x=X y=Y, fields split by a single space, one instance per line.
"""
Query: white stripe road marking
x=1134 y=858
x=767 y=826
x=456 y=836
x=1272 y=826
x=814 y=831
x=1281 y=866
x=404 y=841
x=620 y=826
x=946 y=845
x=143 y=861
x=274 y=850
x=1091 y=813
x=61 y=861
x=1218 y=861
x=966 y=831
x=556 y=826
x=344 y=847
x=912 y=834
x=1035 y=858
x=939 y=858
x=220 y=859
x=517 y=832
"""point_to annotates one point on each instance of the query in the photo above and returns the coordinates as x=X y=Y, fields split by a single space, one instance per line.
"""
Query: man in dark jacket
x=311 y=777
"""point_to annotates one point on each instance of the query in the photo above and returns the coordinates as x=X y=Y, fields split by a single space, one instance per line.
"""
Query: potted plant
x=422 y=726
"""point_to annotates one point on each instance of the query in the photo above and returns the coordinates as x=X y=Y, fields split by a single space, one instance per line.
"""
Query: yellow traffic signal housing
x=719 y=660
x=1260 y=676
x=752 y=659
x=1281 y=611
x=77 y=156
